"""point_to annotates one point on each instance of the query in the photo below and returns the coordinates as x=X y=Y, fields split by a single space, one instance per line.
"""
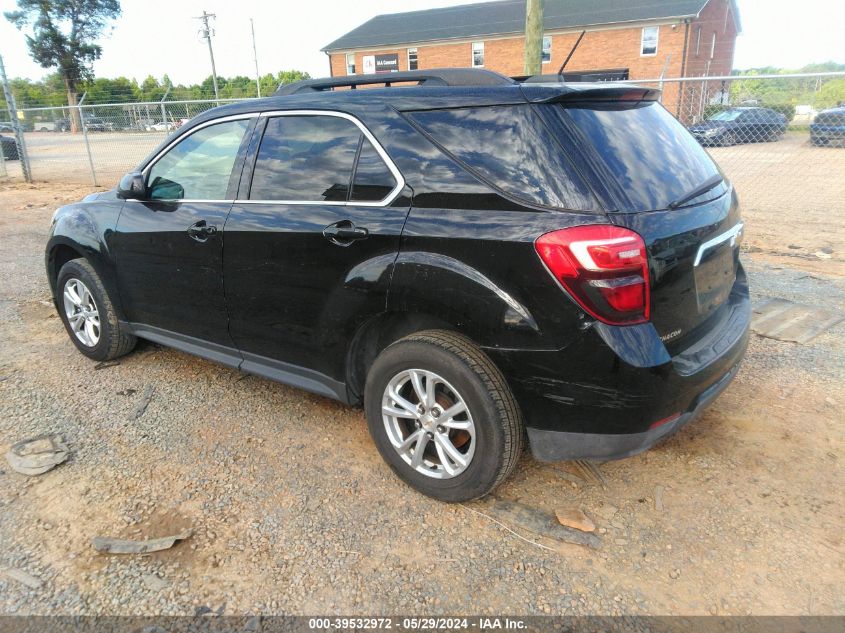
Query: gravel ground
x=294 y=512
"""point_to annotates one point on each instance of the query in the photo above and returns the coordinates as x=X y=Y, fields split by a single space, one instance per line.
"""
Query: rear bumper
x=602 y=396
x=552 y=446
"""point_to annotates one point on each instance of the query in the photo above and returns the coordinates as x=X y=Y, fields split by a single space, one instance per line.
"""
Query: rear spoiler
x=537 y=92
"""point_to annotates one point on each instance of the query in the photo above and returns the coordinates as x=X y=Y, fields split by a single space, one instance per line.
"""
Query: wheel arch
x=61 y=249
x=377 y=333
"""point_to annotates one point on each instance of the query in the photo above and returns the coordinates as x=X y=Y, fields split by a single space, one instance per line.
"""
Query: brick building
x=633 y=39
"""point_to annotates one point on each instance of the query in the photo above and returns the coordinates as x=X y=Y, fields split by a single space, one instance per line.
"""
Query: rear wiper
x=707 y=185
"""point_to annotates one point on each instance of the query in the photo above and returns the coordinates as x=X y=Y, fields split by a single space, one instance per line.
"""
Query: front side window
x=412 y=59
x=698 y=41
x=310 y=158
x=547 y=49
x=649 y=40
x=713 y=46
x=350 y=63
x=477 y=54
x=198 y=167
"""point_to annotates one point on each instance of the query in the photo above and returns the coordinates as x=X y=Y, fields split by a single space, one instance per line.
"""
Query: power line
x=207 y=32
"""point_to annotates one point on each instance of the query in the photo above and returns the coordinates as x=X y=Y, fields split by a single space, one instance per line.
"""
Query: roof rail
x=433 y=77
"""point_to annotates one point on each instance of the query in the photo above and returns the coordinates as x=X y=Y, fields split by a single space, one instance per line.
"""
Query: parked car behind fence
x=740 y=125
x=829 y=128
x=9 y=148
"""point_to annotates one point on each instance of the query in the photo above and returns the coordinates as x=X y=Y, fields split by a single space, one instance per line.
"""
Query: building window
x=477 y=54
x=713 y=46
x=547 y=50
x=412 y=59
x=350 y=63
x=649 y=41
x=698 y=41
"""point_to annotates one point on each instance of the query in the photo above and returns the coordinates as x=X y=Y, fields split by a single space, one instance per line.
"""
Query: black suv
x=466 y=256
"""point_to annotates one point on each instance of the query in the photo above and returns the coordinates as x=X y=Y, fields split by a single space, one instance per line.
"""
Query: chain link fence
x=780 y=138
x=99 y=143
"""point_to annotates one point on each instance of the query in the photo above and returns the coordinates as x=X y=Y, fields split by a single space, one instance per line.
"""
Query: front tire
x=88 y=313
x=442 y=416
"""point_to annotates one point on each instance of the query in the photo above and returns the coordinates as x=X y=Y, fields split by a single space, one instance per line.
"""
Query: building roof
x=508 y=16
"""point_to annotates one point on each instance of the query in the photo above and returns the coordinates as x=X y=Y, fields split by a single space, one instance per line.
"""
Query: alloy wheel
x=428 y=423
x=81 y=311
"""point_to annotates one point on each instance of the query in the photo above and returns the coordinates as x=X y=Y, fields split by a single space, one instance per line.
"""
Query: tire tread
x=120 y=342
x=493 y=380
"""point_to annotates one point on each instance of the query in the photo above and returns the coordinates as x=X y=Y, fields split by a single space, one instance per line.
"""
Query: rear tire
x=449 y=456
x=88 y=313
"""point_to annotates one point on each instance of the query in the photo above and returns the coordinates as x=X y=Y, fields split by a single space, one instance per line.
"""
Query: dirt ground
x=294 y=512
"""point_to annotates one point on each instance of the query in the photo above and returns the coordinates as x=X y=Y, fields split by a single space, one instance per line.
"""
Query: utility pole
x=255 y=57
x=207 y=32
x=533 y=37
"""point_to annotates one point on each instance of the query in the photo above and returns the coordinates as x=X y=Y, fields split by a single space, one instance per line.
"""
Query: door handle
x=201 y=231
x=343 y=233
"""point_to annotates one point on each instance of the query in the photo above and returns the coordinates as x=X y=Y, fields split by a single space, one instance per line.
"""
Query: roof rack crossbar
x=433 y=77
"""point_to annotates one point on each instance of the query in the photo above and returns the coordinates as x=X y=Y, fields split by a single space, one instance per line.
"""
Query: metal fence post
x=85 y=136
x=16 y=124
x=163 y=111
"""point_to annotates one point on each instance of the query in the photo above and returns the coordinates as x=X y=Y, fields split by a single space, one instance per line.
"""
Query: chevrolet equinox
x=476 y=261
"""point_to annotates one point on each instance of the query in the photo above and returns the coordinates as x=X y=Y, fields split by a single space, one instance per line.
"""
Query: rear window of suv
x=642 y=156
x=510 y=148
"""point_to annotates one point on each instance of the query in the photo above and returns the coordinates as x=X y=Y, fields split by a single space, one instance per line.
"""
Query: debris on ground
x=143 y=403
x=105 y=364
x=127 y=392
x=108 y=545
x=784 y=320
x=21 y=576
x=590 y=472
x=575 y=518
x=539 y=522
x=37 y=455
x=606 y=511
x=154 y=582
x=658 y=498
x=823 y=255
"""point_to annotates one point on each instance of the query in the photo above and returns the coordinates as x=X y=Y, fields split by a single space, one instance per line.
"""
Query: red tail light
x=603 y=267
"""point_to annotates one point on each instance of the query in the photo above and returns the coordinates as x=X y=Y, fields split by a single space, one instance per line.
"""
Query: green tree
x=63 y=36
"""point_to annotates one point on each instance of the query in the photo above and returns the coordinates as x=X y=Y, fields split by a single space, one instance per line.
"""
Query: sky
x=154 y=37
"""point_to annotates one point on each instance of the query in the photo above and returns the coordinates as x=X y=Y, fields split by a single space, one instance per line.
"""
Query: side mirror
x=132 y=186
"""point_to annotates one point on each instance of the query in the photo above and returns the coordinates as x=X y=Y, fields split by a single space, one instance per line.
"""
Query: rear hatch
x=654 y=178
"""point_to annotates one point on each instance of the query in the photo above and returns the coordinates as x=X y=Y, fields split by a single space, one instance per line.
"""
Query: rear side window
x=510 y=148
x=641 y=154
x=311 y=158
x=373 y=180
x=305 y=159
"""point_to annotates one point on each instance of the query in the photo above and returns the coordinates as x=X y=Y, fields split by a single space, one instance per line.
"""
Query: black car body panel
x=274 y=290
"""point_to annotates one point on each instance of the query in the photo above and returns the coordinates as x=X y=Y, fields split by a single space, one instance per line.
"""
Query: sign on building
x=388 y=63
